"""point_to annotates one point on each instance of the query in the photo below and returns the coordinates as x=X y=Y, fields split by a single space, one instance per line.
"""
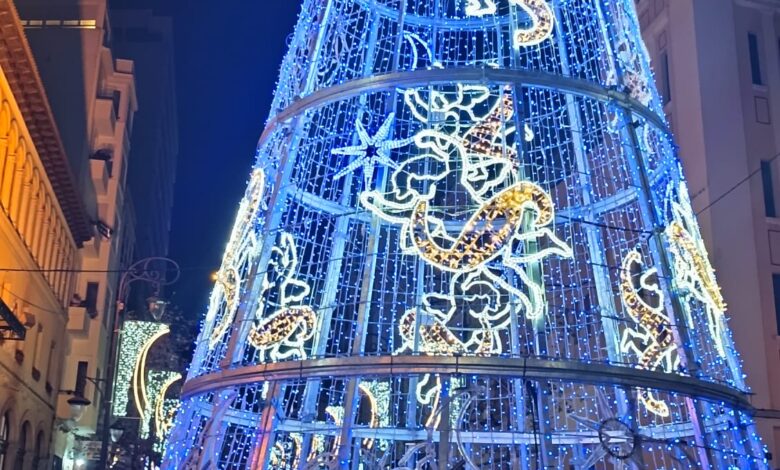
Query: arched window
x=4 y=431
x=22 y=449
x=38 y=452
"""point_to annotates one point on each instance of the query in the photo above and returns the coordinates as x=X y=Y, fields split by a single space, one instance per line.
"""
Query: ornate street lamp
x=156 y=307
x=78 y=405
x=116 y=431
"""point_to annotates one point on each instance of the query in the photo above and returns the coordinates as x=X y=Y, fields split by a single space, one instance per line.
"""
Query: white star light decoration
x=371 y=150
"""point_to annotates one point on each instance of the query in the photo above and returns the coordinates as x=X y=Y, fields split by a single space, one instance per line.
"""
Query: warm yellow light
x=656 y=337
x=163 y=423
x=474 y=248
x=139 y=376
x=542 y=19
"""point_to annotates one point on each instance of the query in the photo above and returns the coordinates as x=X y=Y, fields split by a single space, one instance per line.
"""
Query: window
x=22 y=449
x=50 y=372
x=666 y=83
x=81 y=378
x=38 y=346
x=776 y=286
x=38 y=450
x=769 y=190
x=90 y=302
x=755 y=61
x=4 y=432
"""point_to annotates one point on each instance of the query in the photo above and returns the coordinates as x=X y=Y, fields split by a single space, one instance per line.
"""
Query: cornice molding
x=20 y=70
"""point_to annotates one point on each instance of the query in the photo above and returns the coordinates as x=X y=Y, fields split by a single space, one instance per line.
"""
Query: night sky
x=228 y=55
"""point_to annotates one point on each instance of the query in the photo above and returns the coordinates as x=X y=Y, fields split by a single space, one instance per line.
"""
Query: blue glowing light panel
x=466 y=243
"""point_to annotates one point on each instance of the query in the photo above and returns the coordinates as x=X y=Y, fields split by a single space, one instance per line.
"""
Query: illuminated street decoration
x=153 y=396
x=135 y=341
x=418 y=44
x=465 y=257
x=475 y=247
x=240 y=250
x=630 y=54
x=653 y=340
x=619 y=441
x=282 y=334
x=480 y=7
x=540 y=14
x=542 y=22
x=693 y=271
x=165 y=411
x=377 y=395
x=371 y=151
x=140 y=386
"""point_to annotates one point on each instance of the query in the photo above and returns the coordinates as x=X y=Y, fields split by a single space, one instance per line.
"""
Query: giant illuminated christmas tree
x=466 y=244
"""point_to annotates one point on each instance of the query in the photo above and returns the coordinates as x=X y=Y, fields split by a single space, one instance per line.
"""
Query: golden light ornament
x=489 y=136
x=488 y=232
x=692 y=269
x=241 y=246
x=653 y=342
x=702 y=269
x=540 y=12
x=228 y=279
x=140 y=395
x=162 y=417
x=283 y=334
x=542 y=22
x=290 y=327
x=436 y=338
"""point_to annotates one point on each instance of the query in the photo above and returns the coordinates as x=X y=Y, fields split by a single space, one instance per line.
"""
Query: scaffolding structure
x=466 y=243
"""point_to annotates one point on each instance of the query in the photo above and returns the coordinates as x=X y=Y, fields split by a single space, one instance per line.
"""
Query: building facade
x=147 y=40
x=717 y=64
x=42 y=226
x=93 y=97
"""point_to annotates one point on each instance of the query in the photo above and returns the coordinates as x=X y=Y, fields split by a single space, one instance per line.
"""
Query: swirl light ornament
x=652 y=340
x=482 y=241
x=693 y=271
x=542 y=22
x=471 y=247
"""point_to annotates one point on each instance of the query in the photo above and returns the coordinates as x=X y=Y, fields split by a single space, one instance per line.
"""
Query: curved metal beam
x=529 y=368
x=459 y=24
x=420 y=77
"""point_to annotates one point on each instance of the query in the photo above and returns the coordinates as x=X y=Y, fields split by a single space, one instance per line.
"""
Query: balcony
x=99 y=171
x=105 y=117
x=78 y=319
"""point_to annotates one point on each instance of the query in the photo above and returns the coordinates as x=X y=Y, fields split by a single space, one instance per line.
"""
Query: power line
x=30 y=303
x=571 y=219
x=737 y=185
x=103 y=271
